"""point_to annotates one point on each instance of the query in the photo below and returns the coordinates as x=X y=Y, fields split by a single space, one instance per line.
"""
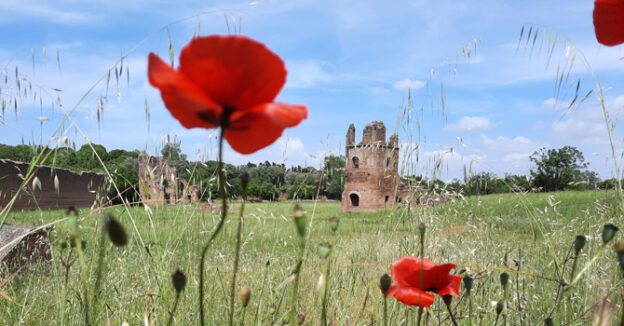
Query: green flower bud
x=116 y=231
x=333 y=223
x=579 y=243
x=504 y=279
x=499 y=307
x=324 y=250
x=548 y=322
x=300 y=220
x=608 y=232
x=385 y=283
x=179 y=281
x=619 y=249
x=468 y=281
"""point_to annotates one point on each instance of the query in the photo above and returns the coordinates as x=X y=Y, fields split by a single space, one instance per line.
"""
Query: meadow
x=528 y=236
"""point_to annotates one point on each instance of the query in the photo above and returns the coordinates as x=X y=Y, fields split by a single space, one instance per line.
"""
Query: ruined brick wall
x=74 y=189
x=159 y=183
x=371 y=171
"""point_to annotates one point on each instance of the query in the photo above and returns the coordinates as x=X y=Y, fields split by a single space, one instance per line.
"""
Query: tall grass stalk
x=237 y=251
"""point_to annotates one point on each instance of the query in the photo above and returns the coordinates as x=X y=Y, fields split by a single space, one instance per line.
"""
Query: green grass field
x=483 y=236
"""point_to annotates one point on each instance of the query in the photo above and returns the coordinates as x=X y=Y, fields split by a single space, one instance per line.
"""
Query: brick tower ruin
x=371 y=171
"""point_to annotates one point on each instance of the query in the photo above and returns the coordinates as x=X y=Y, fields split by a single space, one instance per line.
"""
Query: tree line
x=267 y=180
x=554 y=169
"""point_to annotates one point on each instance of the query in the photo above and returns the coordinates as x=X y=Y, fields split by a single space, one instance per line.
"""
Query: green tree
x=555 y=169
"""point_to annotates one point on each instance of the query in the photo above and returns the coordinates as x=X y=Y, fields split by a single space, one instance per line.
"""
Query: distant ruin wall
x=74 y=189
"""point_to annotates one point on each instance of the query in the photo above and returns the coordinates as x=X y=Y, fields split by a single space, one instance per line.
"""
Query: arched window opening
x=355 y=200
x=388 y=162
x=356 y=162
x=387 y=197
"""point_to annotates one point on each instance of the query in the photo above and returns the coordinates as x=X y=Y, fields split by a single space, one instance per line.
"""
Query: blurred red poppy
x=609 y=21
x=407 y=288
x=228 y=82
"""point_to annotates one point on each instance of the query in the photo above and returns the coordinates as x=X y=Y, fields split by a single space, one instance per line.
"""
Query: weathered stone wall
x=74 y=189
x=159 y=183
x=371 y=170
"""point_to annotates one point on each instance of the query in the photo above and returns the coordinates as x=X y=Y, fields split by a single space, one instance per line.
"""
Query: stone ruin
x=159 y=183
x=21 y=245
x=371 y=172
x=50 y=188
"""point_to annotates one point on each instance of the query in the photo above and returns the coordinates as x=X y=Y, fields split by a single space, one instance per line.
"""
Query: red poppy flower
x=406 y=272
x=609 y=21
x=228 y=82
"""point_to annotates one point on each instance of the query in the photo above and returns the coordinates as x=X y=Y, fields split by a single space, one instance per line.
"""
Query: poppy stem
x=173 y=310
x=421 y=229
x=215 y=232
x=237 y=254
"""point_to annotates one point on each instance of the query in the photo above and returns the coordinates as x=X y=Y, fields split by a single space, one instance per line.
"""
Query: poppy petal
x=234 y=71
x=453 y=286
x=411 y=296
x=609 y=21
x=407 y=271
x=186 y=102
x=259 y=127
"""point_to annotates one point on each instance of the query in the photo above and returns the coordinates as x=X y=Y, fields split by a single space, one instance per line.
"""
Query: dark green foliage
x=557 y=169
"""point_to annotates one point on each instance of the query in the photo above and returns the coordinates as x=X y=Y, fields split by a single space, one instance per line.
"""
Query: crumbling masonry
x=159 y=183
x=371 y=171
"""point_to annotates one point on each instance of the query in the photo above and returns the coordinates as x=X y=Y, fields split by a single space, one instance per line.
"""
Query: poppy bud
x=333 y=223
x=468 y=283
x=447 y=298
x=300 y=220
x=579 y=243
x=499 y=307
x=116 y=231
x=179 y=281
x=504 y=279
x=324 y=250
x=608 y=232
x=421 y=229
x=619 y=249
x=548 y=322
x=385 y=283
x=245 y=295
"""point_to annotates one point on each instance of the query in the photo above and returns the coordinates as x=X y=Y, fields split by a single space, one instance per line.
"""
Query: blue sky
x=349 y=61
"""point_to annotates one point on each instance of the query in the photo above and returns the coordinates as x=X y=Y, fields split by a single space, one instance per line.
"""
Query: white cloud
x=517 y=146
x=551 y=104
x=304 y=74
x=587 y=126
x=40 y=10
x=473 y=123
x=407 y=83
